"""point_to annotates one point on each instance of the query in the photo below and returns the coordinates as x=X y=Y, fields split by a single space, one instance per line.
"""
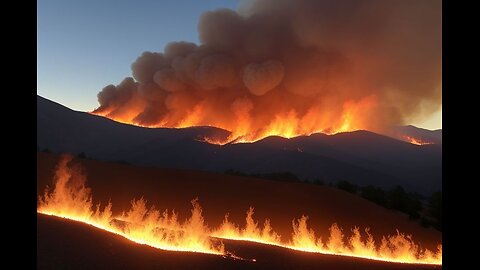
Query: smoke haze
x=291 y=67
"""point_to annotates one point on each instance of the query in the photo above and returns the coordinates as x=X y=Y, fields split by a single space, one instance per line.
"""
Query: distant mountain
x=360 y=157
x=425 y=135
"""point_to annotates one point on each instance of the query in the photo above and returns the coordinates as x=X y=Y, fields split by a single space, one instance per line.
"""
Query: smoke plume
x=291 y=67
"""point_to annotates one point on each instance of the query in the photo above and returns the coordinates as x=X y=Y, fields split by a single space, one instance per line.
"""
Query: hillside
x=219 y=194
x=64 y=244
x=361 y=157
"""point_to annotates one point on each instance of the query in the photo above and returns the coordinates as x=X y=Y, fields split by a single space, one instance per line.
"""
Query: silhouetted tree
x=277 y=176
x=347 y=186
x=374 y=194
x=82 y=155
x=398 y=199
x=234 y=172
x=123 y=162
x=318 y=181
x=435 y=210
x=425 y=222
x=280 y=176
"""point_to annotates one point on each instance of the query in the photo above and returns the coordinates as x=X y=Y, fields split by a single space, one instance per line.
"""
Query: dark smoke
x=279 y=56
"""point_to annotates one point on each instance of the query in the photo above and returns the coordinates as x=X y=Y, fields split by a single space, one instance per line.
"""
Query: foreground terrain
x=65 y=244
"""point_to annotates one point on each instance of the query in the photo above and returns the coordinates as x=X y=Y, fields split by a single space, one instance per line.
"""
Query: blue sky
x=82 y=46
x=85 y=45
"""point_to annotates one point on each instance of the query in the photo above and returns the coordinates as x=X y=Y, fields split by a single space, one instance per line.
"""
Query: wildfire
x=71 y=199
x=289 y=68
x=415 y=141
x=244 y=128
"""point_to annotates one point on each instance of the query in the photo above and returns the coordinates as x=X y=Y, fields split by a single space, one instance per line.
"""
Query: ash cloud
x=273 y=57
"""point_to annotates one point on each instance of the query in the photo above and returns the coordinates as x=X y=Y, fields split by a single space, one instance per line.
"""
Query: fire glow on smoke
x=72 y=199
x=290 y=68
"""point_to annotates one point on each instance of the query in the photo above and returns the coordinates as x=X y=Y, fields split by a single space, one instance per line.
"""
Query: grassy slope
x=64 y=244
x=219 y=194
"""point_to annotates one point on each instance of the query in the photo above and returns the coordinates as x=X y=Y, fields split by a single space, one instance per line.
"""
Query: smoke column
x=291 y=67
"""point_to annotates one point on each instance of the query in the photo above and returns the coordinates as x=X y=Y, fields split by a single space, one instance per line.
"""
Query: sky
x=82 y=46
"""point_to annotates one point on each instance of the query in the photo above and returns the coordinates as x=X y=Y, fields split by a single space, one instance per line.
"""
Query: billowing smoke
x=291 y=67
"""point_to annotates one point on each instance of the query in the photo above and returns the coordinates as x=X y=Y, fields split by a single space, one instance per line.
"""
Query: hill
x=361 y=157
x=219 y=194
x=64 y=244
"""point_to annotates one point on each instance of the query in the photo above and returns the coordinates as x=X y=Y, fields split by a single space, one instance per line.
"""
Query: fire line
x=72 y=199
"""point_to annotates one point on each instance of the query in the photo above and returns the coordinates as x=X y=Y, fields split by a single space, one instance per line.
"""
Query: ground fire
x=72 y=199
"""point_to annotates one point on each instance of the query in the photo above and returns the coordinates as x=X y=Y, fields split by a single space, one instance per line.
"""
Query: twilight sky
x=82 y=46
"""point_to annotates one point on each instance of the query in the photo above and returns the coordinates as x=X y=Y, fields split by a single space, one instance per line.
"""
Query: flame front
x=71 y=199
x=244 y=128
x=415 y=141
x=290 y=68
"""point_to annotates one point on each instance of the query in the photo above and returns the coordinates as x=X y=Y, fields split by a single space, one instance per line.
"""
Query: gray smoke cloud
x=272 y=57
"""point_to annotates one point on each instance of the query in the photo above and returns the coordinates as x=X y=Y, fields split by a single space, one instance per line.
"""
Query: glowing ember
x=71 y=199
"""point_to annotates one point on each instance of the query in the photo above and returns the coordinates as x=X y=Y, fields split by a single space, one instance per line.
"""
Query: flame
x=71 y=199
x=245 y=129
x=398 y=248
x=414 y=140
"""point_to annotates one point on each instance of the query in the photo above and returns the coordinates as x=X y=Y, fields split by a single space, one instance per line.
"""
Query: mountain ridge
x=361 y=157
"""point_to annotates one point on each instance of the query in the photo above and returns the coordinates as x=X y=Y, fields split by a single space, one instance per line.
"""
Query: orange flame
x=244 y=128
x=72 y=199
x=415 y=141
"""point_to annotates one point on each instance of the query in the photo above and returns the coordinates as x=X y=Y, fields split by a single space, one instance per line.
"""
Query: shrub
x=347 y=186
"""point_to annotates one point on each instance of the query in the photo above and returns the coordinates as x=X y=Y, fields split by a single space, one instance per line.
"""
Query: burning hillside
x=71 y=199
x=290 y=68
